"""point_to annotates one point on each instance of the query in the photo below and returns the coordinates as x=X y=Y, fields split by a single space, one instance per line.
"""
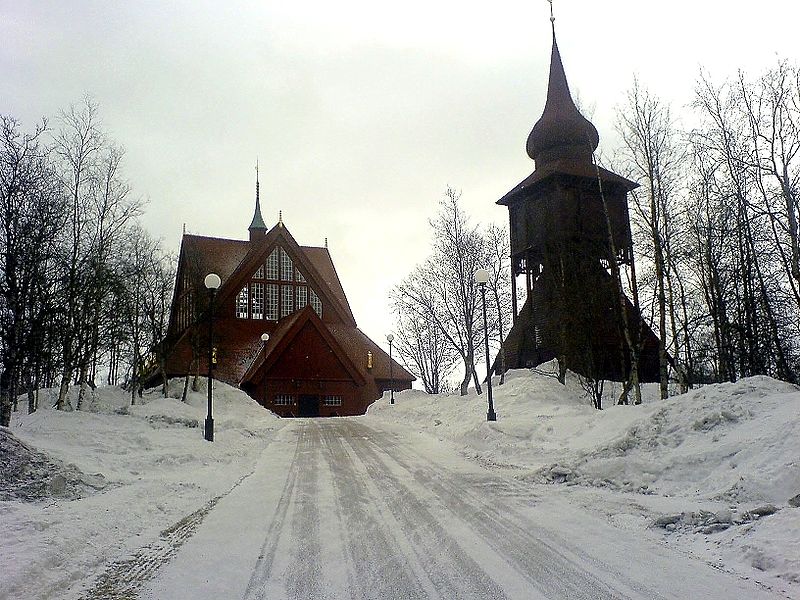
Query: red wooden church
x=316 y=361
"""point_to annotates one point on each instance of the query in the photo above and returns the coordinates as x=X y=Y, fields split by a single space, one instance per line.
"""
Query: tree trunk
x=464 y=388
x=82 y=385
x=162 y=365
x=31 y=395
x=185 y=387
x=5 y=398
x=63 y=393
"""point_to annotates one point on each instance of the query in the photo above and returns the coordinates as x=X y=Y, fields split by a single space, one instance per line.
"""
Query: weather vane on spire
x=552 y=18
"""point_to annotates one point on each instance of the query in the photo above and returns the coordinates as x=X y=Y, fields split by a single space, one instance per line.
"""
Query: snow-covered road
x=340 y=509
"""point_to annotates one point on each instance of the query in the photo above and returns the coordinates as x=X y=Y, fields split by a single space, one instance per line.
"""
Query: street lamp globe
x=265 y=337
x=482 y=276
x=212 y=281
x=390 y=338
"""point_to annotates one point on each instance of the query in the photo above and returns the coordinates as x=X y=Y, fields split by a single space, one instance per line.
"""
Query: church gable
x=275 y=289
x=278 y=278
x=309 y=356
x=302 y=348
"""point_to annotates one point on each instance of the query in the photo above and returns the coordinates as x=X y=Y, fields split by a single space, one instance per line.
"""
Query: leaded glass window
x=302 y=296
x=272 y=301
x=287 y=300
x=272 y=264
x=257 y=305
x=277 y=289
x=284 y=400
x=332 y=400
x=241 y=303
x=287 y=268
x=316 y=303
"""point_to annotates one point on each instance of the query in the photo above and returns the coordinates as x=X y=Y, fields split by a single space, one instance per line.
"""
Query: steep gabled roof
x=233 y=260
x=203 y=255
x=320 y=258
x=200 y=255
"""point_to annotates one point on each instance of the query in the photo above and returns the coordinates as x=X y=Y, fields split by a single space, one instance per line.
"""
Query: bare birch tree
x=442 y=290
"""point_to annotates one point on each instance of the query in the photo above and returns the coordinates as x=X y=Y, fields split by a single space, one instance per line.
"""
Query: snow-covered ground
x=118 y=476
x=714 y=473
x=711 y=474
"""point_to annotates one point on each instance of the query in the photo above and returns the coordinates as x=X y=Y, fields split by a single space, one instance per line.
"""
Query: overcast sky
x=360 y=113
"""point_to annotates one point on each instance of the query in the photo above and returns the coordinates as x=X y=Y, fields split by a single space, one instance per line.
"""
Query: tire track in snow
x=304 y=578
x=380 y=565
x=455 y=572
x=266 y=557
x=121 y=579
x=510 y=534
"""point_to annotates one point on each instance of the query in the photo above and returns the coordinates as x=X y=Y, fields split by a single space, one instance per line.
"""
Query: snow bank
x=715 y=472
x=109 y=479
x=712 y=462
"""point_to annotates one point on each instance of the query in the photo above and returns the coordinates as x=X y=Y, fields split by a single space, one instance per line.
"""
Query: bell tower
x=570 y=234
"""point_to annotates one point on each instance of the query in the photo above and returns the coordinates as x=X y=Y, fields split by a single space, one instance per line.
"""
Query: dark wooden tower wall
x=566 y=209
x=564 y=221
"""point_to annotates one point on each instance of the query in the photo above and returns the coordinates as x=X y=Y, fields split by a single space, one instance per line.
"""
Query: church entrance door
x=308 y=406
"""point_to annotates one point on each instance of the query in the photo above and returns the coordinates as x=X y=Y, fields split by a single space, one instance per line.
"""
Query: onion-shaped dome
x=562 y=131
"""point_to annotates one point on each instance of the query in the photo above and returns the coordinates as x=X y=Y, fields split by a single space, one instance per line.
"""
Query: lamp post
x=390 y=339
x=265 y=339
x=212 y=283
x=482 y=278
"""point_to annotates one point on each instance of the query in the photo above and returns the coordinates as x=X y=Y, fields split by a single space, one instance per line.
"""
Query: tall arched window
x=276 y=289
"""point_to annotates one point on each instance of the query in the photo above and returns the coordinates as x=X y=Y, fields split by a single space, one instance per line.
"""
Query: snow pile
x=716 y=469
x=89 y=487
x=29 y=475
x=732 y=442
x=715 y=472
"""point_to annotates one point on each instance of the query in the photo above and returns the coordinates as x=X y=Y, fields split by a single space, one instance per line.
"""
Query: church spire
x=562 y=131
x=257 y=226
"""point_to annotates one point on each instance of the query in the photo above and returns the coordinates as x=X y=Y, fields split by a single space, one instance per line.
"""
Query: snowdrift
x=722 y=461
x=80 y=489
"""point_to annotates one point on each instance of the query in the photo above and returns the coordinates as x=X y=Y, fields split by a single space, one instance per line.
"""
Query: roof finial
x=280 y=218
x=326 y=242
x=256 y=179
x=552 y=18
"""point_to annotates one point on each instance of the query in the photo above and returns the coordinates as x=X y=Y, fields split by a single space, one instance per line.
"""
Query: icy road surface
x=339 y=509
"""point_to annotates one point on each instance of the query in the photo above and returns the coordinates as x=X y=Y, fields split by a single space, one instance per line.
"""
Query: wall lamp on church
x=482 y=278
x=212 y=283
